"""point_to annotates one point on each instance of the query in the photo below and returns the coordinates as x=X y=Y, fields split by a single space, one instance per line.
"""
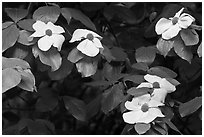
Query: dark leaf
x=195 y=27
x=25 y=39
x=112 y=98
x=10 y=79
x=181 y=50
x=199 y=50
x=92 y=6
x=164 y=46
x=26 y=24
x=145 y=55
x=51 y=58
x=69 y=13
x=134 y=78
x=7 y=24
x=161 y=128
x=99 y=83
x=171 y=125
x=118 y=54
x=136 y=92
x=64 y=70
x=162 y=72
x=141 y=128
x=190 y=106
x=107 y=54
x=76 y=107
x=126 y=129
x=47 y=14
x=9 y=37
x=189 y=37
x=75 y=55
x=173 y=81
x=140 y=66
x=16 y=14
x=13 y=63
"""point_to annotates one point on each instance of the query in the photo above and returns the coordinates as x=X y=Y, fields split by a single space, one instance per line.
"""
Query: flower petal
x=152 y=78
x=167 y=85
x=39 y=28
x=185 y=20
x=58 y=41
x=143 y=99
x=158 y=95
x=132 y=105
x=155 y=103
x=162 y=25
x=88 y=48
x=79 y=34
x=171 y=32
x=97 y=43
x=54 y=28
x=146 y=117
x=156 y=111
x=45 y=43
x=145 y=84
x=179 y=13
x=132 y=116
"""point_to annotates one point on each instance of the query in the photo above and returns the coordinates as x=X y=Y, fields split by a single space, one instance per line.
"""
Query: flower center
x=156 y=85
x=174 y=20
x=89 y=36
x=145 y=107
x=48 y=32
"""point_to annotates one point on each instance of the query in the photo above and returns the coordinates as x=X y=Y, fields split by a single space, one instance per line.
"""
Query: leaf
x=76 y=107
x=162 y=72
x=14 y=62
x=199 y=50
x=51 y=58
x=75 y=55
x=195 y=27
x=7 y=24
x=171 y=125
x=140 y=66
x=182 y=51
x=161 y=128
x=145 y=55
x=47 y=14
x=189 y=36
x=141 y=128
x=87 y=68
x=27 y=80
x=164 y=46
x=99 y=83
x=64 y=70
x=69 y=13
x=107 y=54
x=25 y=39
x=10 y=79
x=118 y=54
x=126 y=129
x=92 y=6
x=16 y=14
x=190 y=107
x=121 y=12
x=136 y=92
x=112 y=98
x=9 y=37
x=26 y=24
x=135 y=78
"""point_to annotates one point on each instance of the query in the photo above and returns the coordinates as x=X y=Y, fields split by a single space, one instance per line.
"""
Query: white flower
x=50 y=35
x=170 y=28
x=143 y=110
x=90 y=45
x=160 y=85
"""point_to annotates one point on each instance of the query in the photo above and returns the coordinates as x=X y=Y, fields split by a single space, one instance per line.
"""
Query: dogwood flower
x=50 y=35
x=170 y=28
x=90 y=45
x=143 y=109
x=161 y=87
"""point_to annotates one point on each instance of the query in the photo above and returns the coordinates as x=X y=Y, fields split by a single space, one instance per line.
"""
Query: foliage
x=100 y=58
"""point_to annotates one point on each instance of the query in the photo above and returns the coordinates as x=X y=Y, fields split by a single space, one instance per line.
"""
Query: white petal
x=97 y=43
x=144 y=99
x=171 y=32
x=38 y=34
x=147 y=117
x=39 y=26
x=155 y=103
x=132 y=116
x=132 y=105
x=162 y=25
x=54 y=28
x=58 y=41
x=159 y=95
x=152 y=78
x=179 y=13
x=156 y=111
x=167 y=85
x=185 y=20
x=79 y=34
x=45 y=43
x=145 y=84
x=88 y=48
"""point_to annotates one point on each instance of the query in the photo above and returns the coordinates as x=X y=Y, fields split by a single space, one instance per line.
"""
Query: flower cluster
x=145 y=108
x=170 y=28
